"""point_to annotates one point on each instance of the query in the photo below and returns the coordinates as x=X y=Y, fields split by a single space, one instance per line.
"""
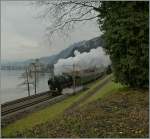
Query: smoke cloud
x=86 y=60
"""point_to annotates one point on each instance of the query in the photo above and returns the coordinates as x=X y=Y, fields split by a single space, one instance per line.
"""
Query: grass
x=123 y=114
x=114 y=111
x=47 y=114
x=107 y=89
x=39 y=117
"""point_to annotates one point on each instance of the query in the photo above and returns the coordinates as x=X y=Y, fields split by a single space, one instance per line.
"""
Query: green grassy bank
x=112 y=111
x=47 y=114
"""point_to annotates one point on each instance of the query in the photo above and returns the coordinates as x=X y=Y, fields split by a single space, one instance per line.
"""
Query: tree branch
x=72 y=20
x=65 y=13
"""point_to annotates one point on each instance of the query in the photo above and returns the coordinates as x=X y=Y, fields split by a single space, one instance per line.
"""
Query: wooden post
x=35 y=77
x=28 y=82
x=74 y=83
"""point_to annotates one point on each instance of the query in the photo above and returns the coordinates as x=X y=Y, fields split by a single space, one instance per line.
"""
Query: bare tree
x=63 y=15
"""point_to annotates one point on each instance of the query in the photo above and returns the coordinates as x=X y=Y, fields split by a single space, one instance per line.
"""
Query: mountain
x=83 y=46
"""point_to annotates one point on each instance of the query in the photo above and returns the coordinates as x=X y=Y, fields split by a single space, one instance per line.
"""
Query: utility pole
x=51 y=70
x=73 y=77
x=28 y=82
x=35 y=77
x=74 y=82
x=34 y=70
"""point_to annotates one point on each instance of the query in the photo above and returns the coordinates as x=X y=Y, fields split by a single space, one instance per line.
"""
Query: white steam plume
x=86 y=60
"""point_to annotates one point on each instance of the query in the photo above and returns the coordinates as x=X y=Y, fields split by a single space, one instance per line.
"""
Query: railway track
x=24 y=99
x=18 y=110
x=23 y=103
x=14 y=110
x=14 y=106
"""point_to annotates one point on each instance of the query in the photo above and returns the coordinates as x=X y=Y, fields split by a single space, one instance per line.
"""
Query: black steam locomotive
x=59 y=82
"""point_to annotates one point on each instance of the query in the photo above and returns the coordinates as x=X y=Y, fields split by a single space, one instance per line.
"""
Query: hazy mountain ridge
x=83 y=46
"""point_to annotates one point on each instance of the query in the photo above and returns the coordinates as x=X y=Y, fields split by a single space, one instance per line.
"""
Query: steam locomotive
x=59 y=82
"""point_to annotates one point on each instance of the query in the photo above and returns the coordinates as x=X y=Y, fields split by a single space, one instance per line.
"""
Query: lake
x=11 y=87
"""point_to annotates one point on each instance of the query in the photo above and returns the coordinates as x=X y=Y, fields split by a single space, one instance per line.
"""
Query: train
x=58 y=82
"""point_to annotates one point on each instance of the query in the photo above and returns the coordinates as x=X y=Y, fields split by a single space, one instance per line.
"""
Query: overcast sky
x=23 y=35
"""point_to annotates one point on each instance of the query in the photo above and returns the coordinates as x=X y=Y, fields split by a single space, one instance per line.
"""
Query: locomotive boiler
x=57 y=83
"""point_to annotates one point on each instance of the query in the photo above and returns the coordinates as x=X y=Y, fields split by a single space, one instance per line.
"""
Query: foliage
x=126 y=30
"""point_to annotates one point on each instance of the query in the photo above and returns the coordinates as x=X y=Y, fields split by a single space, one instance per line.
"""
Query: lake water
x=11 y=88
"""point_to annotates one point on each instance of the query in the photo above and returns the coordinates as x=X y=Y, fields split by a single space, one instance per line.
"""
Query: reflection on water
x=11 y=88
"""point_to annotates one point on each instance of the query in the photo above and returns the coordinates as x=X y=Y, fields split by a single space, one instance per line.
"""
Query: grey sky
x=23 y=35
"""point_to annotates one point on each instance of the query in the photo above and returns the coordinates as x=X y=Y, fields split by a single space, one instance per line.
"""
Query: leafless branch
x=72 y=20
x=63 y=15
